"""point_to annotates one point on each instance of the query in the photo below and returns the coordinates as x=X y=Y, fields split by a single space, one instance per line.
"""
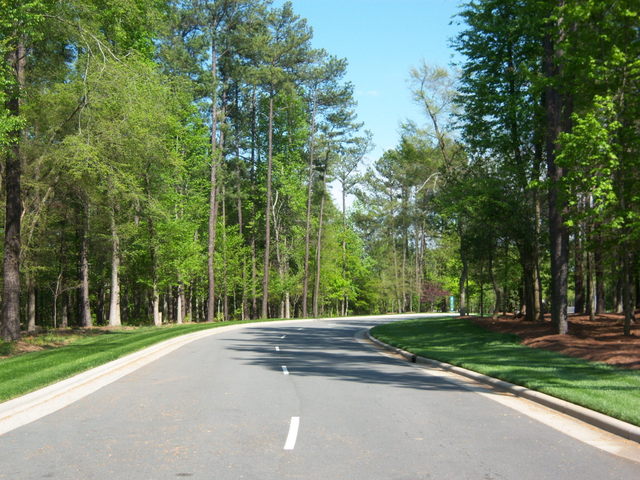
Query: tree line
x=519 y=191
x=167 y=161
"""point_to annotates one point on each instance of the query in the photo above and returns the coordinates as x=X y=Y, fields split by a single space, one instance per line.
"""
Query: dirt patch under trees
x=600 y=340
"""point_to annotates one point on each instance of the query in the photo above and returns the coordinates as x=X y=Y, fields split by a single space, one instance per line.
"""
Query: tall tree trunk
x=280 y=257
x=64 y=322
x=396 y=275
x=537 y=280
x=403 y=282
x=599 y=272
x=180 y=306
x=497 y=291
x=225 y=273
x=213 y=202
x=462 y=282
x=556 y=112
x=627 y=296
x=13 y=205
x=244 y=307
x=482 y=289
x=307 y=231
x=506 y=293
x=530 y=276
x=591 y=287
x=114 y=304
x=85 y=305
x=316 y=288
x=254 y=279
x=31 y=304
x=345 y=297
x=578 y=275
x=267 y=219
x=418 y=268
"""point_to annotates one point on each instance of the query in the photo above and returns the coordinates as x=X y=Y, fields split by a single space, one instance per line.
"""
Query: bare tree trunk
x=280 y=258
x=531 y=291
x=538 y=315
x=188 y=303
x=85 y=306
x=254 y=279
x=345 y=298
x=244 y=306
x=31 y=304
x=556 y=117
x=13 y=206
x=591 y=287
x=462 y=282
x=482 y=289
x=578 y=276
x=267 y=230
x=64 y=323
x=225 y=273
x=627 y=296
x=618 y=303
x=396 y=283
x=180 y=306
x=213 y=202
x=114 y=305
x=307 y=231
x=599 y=274
x=497 y=291
x=316 y=288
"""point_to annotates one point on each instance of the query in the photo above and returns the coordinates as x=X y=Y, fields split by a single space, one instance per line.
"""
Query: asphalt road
x=300 y=401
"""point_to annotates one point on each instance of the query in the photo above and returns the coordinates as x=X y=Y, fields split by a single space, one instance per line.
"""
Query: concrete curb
x=610 y=424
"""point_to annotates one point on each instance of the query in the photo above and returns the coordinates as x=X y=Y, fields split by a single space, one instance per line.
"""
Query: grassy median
x=29 y=371
x=600 y=387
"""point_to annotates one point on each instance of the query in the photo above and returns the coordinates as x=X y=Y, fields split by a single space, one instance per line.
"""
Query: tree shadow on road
x=330 y=352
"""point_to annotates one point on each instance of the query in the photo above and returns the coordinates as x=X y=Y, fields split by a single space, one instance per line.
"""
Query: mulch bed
x=600 y=340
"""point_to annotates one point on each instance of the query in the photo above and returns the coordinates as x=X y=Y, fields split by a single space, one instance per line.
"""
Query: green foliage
x=589 y=153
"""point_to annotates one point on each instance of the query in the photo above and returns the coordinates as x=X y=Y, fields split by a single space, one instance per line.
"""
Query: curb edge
x=597 y=419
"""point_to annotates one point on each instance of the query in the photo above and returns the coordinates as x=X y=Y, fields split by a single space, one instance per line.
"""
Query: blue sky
x=382 y=40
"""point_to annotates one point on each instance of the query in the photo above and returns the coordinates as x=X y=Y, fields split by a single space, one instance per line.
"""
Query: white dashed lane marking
x=293 y=433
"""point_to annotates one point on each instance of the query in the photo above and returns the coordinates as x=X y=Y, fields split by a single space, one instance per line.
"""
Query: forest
x=173 y=161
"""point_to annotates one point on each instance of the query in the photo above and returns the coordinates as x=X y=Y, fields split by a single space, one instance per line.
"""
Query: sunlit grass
x=612 y=391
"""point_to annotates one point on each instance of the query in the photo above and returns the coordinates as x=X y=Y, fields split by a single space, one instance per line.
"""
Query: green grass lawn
x=29 y=371
x=610 y=390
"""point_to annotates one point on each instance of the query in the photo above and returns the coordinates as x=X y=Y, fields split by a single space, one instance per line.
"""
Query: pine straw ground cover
x=502 y=353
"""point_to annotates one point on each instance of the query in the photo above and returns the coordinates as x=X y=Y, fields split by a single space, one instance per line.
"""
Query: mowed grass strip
x=612 y=391
x=29 y=371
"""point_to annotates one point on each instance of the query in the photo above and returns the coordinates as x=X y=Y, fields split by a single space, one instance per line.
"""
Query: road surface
x=307 y=400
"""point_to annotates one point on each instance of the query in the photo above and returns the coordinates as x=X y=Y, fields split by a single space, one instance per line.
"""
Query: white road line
x=293 y=433
x=284 y=370
x=277 y=349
